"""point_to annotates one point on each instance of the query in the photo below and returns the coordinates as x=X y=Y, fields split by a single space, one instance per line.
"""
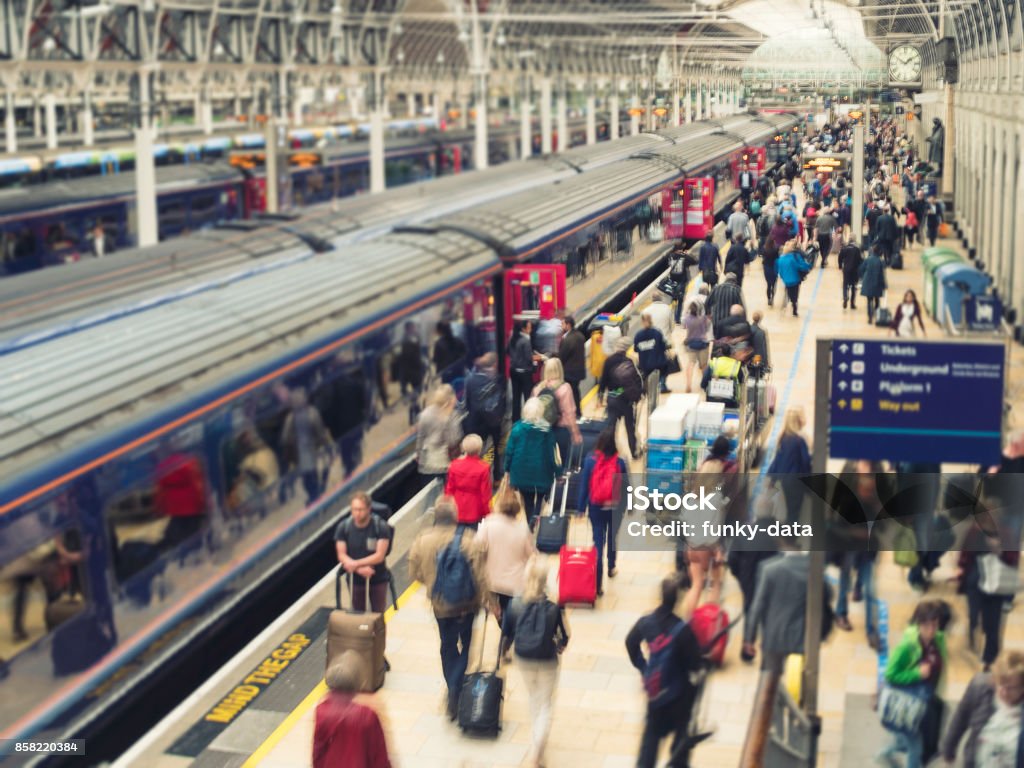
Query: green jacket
x=530 y=456
x=903 y=666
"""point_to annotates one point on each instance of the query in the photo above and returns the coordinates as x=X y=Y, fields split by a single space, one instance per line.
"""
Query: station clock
x=905 y=64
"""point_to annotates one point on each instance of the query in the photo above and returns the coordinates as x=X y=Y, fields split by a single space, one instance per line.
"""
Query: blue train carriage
x=56 y=223
x=160 y=467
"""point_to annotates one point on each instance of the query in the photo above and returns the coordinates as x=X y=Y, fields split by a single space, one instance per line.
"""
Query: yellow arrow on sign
x=842 y=403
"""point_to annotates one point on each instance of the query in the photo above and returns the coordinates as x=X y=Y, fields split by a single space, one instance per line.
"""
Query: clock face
x=905 y=64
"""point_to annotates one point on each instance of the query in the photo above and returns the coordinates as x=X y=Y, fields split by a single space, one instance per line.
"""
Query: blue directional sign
x=917 y=401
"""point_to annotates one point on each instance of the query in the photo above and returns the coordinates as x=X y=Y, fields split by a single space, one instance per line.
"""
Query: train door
x=673 y=212
x=699 y=207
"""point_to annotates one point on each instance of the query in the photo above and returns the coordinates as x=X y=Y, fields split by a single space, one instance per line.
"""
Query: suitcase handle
x=483 y=639
x=337 y=591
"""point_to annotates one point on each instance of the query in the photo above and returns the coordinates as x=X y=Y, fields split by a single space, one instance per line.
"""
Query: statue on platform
x=937 y=144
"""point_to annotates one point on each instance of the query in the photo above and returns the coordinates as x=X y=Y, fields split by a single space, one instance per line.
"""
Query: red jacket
x=348 y=735
x=469 y=482
x=180 y=487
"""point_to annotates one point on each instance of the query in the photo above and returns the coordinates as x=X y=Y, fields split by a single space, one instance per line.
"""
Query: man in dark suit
x=779 y=608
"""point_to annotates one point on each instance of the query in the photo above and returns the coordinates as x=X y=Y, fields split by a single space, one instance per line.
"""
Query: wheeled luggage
x=553 y=527
x=710 y=624
x=577 y=571
x=481 y=696
x=363 y=633
x=883 y=317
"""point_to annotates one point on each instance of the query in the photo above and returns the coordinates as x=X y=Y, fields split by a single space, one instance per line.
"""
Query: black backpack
x=552 y=411
x=535 y=630
x=664 y=681
x=626 y=378
x=490 y=400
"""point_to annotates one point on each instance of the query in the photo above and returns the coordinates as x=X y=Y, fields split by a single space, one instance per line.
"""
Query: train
x=58 y=222
x=191 y=407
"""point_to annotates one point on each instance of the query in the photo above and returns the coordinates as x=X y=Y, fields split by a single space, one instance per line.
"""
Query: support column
x=634 y=121
x=376 y=103
x=545 y=116
x=947 y=152
x=439 y=110
x=410 y=104
x=273 y=165
x=613 y=114
x=1011 y=163
x=988 y=207
x=700 y=99
x=37 y=119
x=297 y=107
x=51 y=121
x=689 y=101
x=591 y=116
x=676 y=119
x=650 y=102
x=86 y=121
x=145 y=188
x=480 y=153
x=563 y=118
x=525 y=126
x=283 y=102
x=1017 y=286
x=857 y=203
x=10 y=125
x=145 y=104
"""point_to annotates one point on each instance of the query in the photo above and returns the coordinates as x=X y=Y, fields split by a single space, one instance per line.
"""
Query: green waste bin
x=932 y=260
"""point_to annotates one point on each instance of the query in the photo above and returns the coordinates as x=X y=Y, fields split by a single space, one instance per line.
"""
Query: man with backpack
x=446 y=560
x=485 y=404
x=621 y=380
x=673 y=654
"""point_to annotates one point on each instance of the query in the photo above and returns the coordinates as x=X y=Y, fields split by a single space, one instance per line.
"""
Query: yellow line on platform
x=314 y=696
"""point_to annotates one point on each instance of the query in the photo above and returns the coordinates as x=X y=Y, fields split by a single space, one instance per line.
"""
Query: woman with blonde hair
x=530 y=458
x=535 y=628
x=505 y=540
x=438 y=434
x=555 y=394
x=990 y=714
x=792 y=459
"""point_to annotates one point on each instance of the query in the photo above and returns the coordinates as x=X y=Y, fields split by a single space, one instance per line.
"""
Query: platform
x=600 y=703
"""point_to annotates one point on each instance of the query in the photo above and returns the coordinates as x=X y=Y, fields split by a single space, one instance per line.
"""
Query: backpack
x=535 y=630
x=491 y=401
x=764 y=227
x=663 y=680
x=755 y=208
x=602 y=481
x=381 y=527
x=552 y=411
x=912 y=221
x=626 y=378
x=678 y=267
x=454 y=582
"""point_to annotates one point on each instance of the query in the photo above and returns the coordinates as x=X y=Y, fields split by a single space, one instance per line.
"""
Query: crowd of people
x=480 y=556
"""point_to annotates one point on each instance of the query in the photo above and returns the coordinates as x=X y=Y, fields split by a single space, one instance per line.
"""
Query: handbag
x=672 y=366
x=697 y=344
x=905 y=547
x=997 y=578
x=902 y=708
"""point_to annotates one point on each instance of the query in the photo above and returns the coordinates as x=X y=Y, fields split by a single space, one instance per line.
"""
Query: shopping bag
x=902 y=708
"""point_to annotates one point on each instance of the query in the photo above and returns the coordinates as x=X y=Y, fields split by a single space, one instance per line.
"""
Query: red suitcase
x=577 y=571
x=710 y=626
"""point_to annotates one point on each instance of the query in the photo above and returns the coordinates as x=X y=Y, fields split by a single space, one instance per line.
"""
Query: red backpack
x=603 y=480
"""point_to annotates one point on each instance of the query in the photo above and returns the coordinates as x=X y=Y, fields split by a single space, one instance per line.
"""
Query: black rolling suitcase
x=481 y=696
x=553 y=528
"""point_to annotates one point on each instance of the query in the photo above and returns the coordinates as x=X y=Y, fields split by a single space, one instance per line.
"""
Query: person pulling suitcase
x=446 y=559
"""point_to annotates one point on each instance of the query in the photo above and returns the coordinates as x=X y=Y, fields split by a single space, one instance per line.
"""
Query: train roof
x=90 y=189
x=138 y=372
x=60 y=299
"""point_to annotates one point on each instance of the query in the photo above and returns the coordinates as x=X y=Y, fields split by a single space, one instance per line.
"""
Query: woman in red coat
x=347 y=734
x=469 y=482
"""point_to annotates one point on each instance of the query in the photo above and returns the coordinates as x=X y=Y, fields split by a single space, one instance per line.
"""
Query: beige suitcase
x=363 y=633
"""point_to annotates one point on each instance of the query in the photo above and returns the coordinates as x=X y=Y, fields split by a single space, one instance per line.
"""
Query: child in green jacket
x=920 y=657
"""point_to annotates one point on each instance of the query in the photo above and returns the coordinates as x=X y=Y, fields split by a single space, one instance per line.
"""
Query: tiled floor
x=599 y=705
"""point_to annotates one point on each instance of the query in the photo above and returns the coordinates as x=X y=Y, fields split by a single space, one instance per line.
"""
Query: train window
x=172 y=217
x=204 y=208
x=42 y=576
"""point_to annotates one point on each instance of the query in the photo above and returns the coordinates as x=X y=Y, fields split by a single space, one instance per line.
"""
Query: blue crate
x=665 y=462
x=666 y=482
